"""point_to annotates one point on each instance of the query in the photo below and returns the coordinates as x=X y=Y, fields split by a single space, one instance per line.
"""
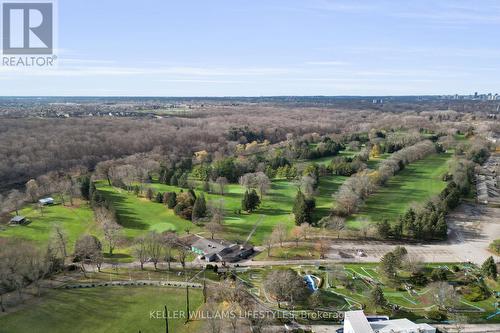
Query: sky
x=268 y=48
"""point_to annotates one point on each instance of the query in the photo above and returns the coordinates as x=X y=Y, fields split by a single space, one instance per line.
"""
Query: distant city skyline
x=268 y=48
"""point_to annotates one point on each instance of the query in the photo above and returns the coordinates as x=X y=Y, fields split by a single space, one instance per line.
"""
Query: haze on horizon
x=249 y=48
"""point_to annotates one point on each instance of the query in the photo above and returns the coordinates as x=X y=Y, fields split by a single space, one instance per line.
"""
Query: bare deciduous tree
x=222 y=183
x=169 y=242
x=111 y=229
x=140 y=250
x=279 y=233
x=322 y=247
x=213 y=228
x=217 y=211
x=444 y=295
x=286 y=285
x=32 y=190
x=154 y=247
x=59 y=240
x=182 y=253
x=15 y=199
x=88 y=249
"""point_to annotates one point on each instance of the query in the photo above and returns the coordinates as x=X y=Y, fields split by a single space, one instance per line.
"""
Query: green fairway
x=328 y=159
x=417 y=183
x=328 y=186
x=139 y=215
x=276 y=207
x=103 y=309
x=75 y=221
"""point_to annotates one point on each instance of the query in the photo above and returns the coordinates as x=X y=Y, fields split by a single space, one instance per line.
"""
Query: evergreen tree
x=244 y=202
x=254 y=200
x=199 y=208
x=174 y=180
x=489 y=268
x=172 y=200
x=159 y=197
x=388 y=265
x=250 y=201
x=441 y=229
x=85 y=187
x=300 y=208
x=417 y=227
x=168 y=176
x=150 y=194
x=192 y=196
x=183 y=180
x=137 y=190
x=303 y=208
x=397 y=229
x=377 y=297
x=400 y=254
x=96 y=198
x=384 y=229
x=166 y=195
x=409 y=221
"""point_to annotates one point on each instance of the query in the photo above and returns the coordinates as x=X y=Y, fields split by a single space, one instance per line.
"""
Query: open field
x=75 y=220
x=139 y=215
x=102 y=309
x=418 y=182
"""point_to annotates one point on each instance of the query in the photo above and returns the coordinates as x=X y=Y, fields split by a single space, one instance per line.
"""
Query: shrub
x=418 y=279
x=475 y=293
x=436 y=315
x=439 y=274
x=495 y=246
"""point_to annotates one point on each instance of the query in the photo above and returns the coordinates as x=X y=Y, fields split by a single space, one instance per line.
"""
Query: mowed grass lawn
x=418 y=182
x=74 y=220
x=138 y=214
x=276 y=207
x=103 y=309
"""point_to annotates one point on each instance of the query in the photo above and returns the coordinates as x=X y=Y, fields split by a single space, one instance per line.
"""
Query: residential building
x=357 y=322
x=219 y=250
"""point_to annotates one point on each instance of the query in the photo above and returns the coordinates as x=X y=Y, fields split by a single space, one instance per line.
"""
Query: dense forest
x=33 y=144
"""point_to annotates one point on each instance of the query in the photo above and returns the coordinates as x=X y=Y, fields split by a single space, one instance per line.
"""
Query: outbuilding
x=18 y=220
x=219 y=250
x=46 y=201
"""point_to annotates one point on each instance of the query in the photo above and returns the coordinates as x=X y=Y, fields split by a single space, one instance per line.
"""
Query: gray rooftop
x=17 y=218
x=209 y=246
x=357 y=321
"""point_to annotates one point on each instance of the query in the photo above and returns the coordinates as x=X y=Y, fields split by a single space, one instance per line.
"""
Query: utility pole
x=187 y=303
x=204 y=288
x=166 y=319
